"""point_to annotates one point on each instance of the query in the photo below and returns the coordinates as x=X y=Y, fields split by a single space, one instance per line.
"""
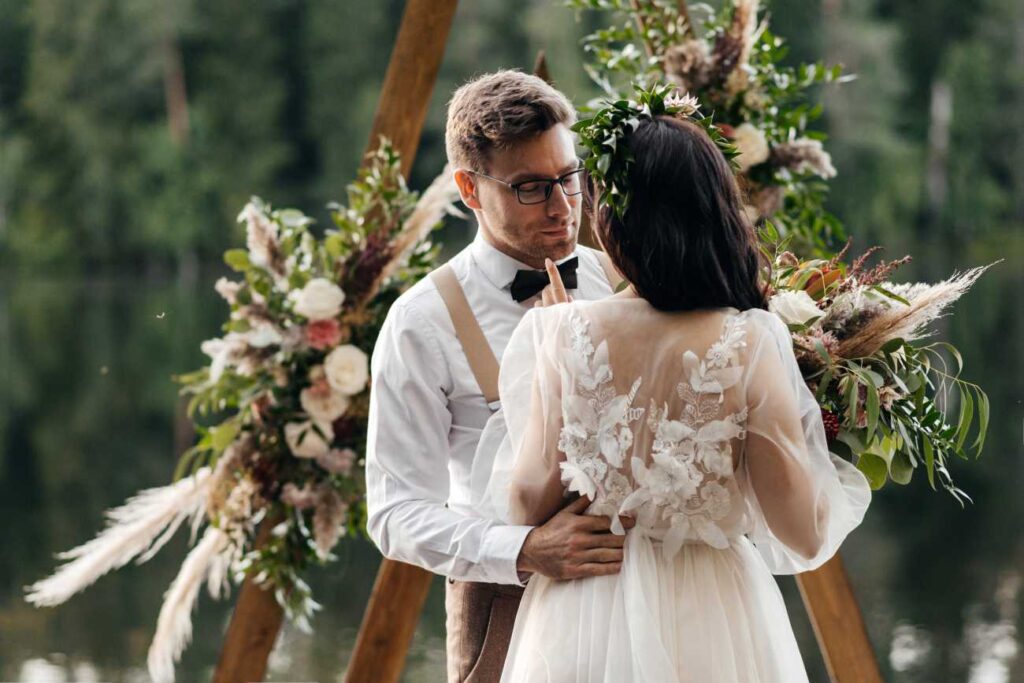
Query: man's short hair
x=498 y=110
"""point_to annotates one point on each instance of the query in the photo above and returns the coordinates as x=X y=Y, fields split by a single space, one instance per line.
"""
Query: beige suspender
x=474 y=344
x=478 y=352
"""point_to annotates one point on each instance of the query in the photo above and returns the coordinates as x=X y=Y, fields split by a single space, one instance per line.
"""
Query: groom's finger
x=597 y=569
x=595 y=555
x=606 y=541
x=578 y=506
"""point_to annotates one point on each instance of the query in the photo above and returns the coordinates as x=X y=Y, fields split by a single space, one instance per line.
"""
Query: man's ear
x=467 y=189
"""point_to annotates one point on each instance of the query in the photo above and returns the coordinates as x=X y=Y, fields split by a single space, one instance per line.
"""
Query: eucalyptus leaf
x=929 y=460
x=965 y=418
x=238 y=259
x=874 y=469
x=901 y=469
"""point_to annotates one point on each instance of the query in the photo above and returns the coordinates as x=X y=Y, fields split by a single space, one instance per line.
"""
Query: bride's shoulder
x=764 y=325
x=761 y=319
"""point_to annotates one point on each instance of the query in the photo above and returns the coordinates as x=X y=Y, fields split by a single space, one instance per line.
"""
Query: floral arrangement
x=730 y=62
x=277 y=478
x=861 y=343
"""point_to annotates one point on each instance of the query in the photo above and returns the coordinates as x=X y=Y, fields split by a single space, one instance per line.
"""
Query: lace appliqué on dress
x=596 y=434
x=686 y=482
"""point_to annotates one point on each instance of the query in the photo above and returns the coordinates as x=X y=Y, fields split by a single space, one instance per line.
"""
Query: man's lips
x=558 y=230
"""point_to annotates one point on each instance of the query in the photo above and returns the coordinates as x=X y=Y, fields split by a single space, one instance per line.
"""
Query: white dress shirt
x=427 y=413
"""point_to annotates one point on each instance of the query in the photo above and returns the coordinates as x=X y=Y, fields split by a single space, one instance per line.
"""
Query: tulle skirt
x=704 y=616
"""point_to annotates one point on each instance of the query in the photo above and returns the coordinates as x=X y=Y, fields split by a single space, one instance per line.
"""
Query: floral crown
x=604 y=135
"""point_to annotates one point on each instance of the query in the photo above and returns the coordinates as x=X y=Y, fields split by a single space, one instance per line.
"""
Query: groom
x=435 y=368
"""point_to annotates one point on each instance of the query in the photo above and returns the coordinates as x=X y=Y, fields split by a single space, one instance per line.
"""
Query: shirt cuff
x=502 y=545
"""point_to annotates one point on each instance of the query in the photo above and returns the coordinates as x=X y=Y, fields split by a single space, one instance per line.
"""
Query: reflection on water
x=88 y=416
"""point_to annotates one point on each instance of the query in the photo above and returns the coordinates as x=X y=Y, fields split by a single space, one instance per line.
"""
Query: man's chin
x=556 y=246
x=555 y=252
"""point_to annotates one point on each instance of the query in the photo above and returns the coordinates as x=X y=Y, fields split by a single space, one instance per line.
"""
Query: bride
x=678 y=403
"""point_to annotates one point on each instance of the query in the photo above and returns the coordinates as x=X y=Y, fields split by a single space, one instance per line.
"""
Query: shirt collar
x=497 y=266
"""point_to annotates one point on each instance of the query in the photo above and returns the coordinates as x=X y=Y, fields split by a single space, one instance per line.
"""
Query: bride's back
x=643 y=411
x=664 y=395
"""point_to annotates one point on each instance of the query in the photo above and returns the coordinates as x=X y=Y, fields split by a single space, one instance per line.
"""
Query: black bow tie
x=529 y=283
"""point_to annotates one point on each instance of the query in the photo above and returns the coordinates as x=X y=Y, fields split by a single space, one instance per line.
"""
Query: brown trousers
x=480 y=617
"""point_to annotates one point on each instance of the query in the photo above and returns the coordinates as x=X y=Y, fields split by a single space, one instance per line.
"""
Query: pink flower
x=338 y=460
x=323 y=334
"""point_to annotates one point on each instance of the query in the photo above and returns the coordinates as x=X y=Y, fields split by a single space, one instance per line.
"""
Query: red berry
x=831 y=424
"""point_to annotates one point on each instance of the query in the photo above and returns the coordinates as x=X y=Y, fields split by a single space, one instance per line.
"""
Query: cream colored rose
x=751 y=144
x=347 y=369
x=304 y=441
x=320 y=299
x=322 y=403
x=794 y=307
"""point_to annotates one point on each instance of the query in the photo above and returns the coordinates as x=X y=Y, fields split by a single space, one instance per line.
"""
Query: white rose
x=751 y=144
x=795 y=307
x=323 y=406
x=347 y=369
x=306 y=442
x=320 y=299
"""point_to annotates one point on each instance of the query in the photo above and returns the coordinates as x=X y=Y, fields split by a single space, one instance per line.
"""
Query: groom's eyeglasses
x=537 y=191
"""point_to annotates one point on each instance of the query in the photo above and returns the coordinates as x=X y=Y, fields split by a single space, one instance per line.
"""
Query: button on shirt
x=427 y=413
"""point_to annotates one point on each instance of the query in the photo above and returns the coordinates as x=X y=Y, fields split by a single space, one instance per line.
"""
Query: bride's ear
x=466 y=183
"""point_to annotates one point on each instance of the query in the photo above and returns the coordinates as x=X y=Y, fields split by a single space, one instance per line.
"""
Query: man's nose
x=559 y=203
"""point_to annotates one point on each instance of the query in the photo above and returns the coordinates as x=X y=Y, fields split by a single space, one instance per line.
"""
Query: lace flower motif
x=691 y=464
x=596 y=434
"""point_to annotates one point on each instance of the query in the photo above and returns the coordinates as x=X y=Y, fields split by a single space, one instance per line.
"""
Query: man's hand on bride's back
x=572 y=545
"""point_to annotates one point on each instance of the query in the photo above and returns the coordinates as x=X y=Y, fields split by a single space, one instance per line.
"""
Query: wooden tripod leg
x=389 y=623
x=412 y=71
x=253 y=630
x=255 y=624
x=839 y=624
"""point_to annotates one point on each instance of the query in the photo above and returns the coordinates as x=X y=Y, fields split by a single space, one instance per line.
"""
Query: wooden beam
x=389 y=623
x=253 y=630
x=540 y=68
x=400 y=589
x=839 y=624
x=409 y=80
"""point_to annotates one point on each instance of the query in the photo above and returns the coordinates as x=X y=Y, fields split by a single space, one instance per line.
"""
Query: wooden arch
x=400 y=590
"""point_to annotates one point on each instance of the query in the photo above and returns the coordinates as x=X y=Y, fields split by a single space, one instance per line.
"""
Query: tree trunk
x=175 y=95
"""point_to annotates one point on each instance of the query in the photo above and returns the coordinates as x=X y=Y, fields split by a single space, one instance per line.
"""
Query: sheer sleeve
x=516 y=476
x=802 y=500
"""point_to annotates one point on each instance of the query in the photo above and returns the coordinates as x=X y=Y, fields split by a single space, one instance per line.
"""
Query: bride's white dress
x=697 y=424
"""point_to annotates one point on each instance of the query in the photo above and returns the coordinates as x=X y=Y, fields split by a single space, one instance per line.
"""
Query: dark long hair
x=685 y=242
